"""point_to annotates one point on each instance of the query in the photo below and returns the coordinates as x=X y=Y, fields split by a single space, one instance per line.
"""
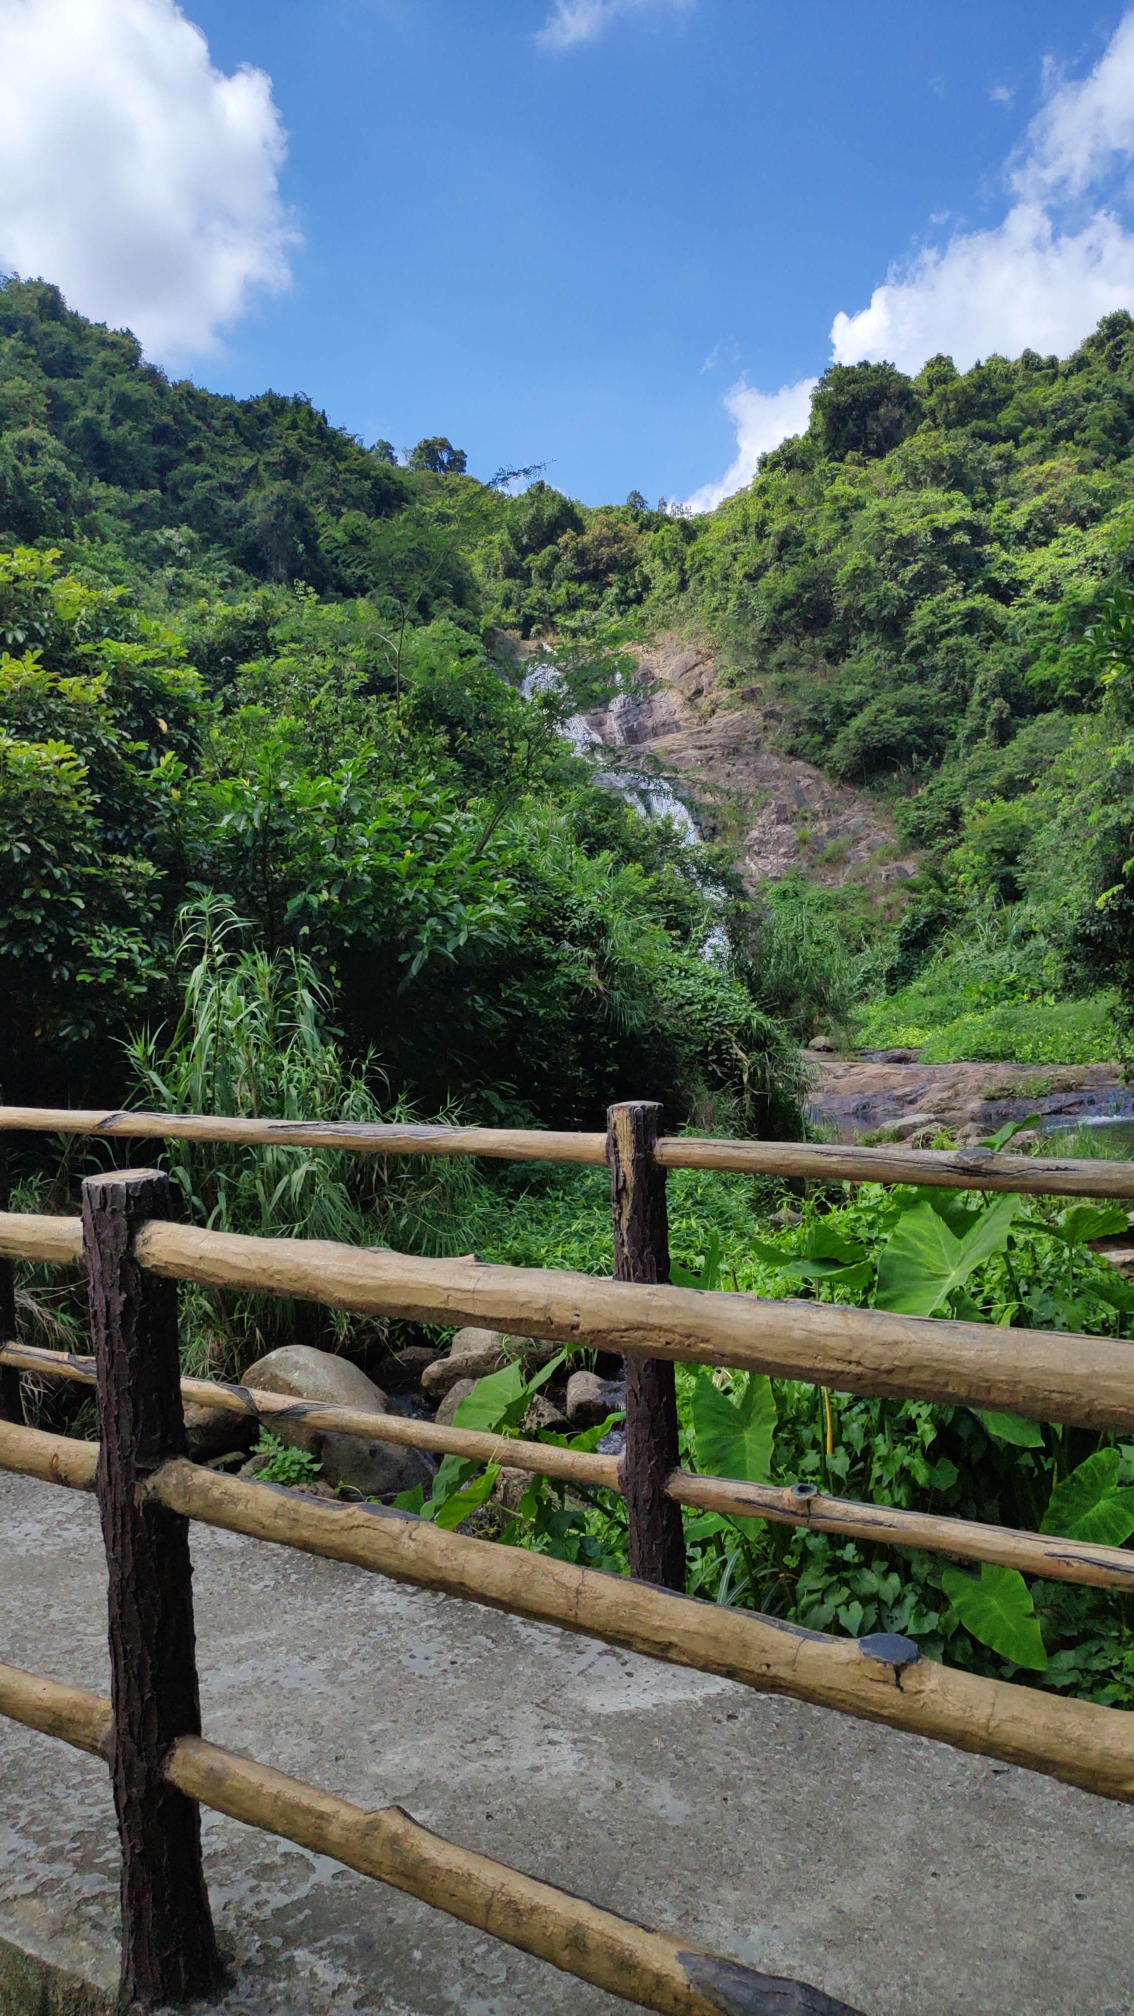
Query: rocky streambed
x=891 y=1093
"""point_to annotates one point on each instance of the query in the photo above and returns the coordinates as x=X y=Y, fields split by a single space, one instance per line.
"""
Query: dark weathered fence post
x=11 y=1408
x=168 y=1949
x=641 y=1253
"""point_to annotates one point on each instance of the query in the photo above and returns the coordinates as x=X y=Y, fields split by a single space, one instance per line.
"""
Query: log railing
x=148 y=1491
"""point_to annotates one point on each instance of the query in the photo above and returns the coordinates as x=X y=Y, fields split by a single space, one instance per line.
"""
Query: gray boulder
x=213 y=1431
x=474 y=1352
x=449 y=1405
x=590 y=1399
x=373 y=1468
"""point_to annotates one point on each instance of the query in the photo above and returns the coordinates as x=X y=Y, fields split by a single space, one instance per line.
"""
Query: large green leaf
x=996 y=1607
x=500 y=1399
x=1090 y=1505
x=828 y=1255
x=734 y=1436
x=1011 y=1428
x=1087 y=1221
x=458 y=1507
x=923 y=1262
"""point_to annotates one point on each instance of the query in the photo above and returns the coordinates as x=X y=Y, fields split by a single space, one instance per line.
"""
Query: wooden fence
x=134 y=1254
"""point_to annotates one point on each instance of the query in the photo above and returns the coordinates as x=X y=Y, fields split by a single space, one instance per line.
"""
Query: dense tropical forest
x=288 y=825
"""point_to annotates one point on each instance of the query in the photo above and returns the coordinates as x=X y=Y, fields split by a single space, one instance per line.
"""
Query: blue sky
x=571 y=237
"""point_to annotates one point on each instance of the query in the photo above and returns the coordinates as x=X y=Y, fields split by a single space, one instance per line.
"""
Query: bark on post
x=168 y=1949
x=11 y=1406
x=641 y=1253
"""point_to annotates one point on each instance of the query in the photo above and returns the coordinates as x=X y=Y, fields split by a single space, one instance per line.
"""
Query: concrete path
x=908 y=1879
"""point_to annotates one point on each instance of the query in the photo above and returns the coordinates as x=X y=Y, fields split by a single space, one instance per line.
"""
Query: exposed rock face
x=373 y=1468
x=722 y=740
x=907 y=1100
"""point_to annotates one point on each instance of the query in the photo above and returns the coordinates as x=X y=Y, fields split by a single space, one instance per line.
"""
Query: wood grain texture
x=544 y=1459
x=32 y=1235
x=880 y=1679
x=1065 y=1738
x=59 y=1460
x=1042 y=1554
x=1086 y=1382
x=962 y=1169
x=644 y=1967
x=647 y=1968
x=168 y=1949
x=958 y=1169
x=54 y=1459
x=641 y=1253
x=512 y=1144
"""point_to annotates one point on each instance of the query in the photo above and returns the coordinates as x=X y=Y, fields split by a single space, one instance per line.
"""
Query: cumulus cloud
x=1024 y=285
x=763 y=420
x=572 y=21
x=1061 y=257
x=134 y=173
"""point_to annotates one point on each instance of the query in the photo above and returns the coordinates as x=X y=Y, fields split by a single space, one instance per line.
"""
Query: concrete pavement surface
x=898 y=1874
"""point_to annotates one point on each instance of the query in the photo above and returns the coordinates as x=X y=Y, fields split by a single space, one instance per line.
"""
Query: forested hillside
x=236 y=638
x=285 y=828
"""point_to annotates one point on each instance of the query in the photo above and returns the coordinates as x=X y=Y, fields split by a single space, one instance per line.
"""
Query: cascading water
x=652 y=796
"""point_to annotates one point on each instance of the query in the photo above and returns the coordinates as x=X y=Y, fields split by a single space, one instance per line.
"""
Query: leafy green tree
x=438 y=454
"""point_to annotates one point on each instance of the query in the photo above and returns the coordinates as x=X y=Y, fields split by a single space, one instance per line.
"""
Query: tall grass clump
x=254 y=1040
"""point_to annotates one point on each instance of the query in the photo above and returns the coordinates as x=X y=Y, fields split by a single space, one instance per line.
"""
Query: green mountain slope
x=922 y=587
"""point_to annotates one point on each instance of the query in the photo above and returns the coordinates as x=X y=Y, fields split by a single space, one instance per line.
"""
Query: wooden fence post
x=169 y=1952
x=11 y=1407
x=641 y=1253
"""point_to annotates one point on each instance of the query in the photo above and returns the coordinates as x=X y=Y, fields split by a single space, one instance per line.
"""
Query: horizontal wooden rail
x=30 y=1235
x=948 y=1169
x=1045 y=1375
x=1038 y=1554
x=960 y=1169
x=882 y=1678
x=569 y=1466
x=359 y=1137
x=648 y=1968
x=1087 y=1382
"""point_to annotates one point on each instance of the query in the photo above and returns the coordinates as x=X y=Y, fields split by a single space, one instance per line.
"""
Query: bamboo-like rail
x=1085 y=1382
x=881 y=1679
x=1053 y=1558
x=825 y=1162
x=648 y=1968
x=1045 y=1375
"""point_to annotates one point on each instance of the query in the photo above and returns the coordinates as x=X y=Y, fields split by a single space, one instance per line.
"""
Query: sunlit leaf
x=996 y=1607
x=734 y=1436
x=1091 y=1505
x=922 y=1262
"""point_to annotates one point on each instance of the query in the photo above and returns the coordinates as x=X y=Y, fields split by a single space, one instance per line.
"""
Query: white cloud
x=572 y=21
x=1085 y=128
x=1040 y=279
x=763 y=420
x=1024 y=285
x=1002 y=94
x=133 y=173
